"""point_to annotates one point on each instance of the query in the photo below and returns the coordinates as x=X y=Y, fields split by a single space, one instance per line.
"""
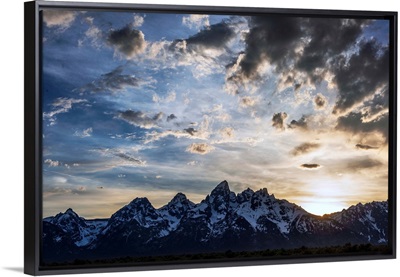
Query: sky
x=152 y=104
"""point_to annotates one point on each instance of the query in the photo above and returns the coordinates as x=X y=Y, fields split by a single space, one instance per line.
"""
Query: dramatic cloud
x=270 y=39
x=58 y=18
x=359 y=76
x=112 y=82
x=140 y=119
x=148 y=95
x=320 y=101
x=301 y=54
x=324 y=42
x=278 y=120
x=196 y=21
x=216 y=36
x=171 y=117
x=199 y=148
x=376 y=107
x=127 y=41
x=353 y=123
x=305 y=148
x=310 y=166
x=84 y=133
x=365 y=146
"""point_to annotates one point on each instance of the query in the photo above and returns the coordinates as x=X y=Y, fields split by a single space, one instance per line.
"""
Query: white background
x=11 y=149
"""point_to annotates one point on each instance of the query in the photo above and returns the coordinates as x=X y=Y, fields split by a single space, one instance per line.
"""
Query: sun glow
x=321 y=207
x=329 y=196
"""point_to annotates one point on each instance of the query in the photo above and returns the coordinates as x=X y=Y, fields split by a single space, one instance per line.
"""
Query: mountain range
x=223 y=221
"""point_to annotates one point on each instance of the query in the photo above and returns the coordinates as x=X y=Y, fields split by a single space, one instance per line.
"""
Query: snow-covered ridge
x=82 y=231
x=223 y=212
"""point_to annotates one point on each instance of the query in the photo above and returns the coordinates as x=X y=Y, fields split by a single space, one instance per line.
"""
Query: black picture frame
x=33 y=136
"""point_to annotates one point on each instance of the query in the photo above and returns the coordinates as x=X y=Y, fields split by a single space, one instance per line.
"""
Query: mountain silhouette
x=223 y=221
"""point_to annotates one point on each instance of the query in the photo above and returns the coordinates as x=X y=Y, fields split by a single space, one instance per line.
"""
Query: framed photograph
x=162 y=137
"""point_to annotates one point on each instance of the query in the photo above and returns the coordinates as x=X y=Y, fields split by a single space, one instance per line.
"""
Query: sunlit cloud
x=196 y=21
x=52 y=163
x=200 y=148
x=59 y=18
x=137 y=21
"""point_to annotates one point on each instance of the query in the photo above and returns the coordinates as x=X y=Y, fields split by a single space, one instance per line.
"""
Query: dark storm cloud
x=270 y=39
x=140 y=119
x=277 y=40
x=127 y=41
x=353 y=123
x=215 y=36
x=378 y=104
x=278 y=120
x=113 y=81
x=300 y=123
x=310 y=166
x=359 y=76
x=365 y=146
x=328 y=38
x=305 y=148
x=190 y=131
x=171 y=117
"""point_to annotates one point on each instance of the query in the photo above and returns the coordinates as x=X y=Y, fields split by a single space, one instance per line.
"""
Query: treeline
x=302 y=252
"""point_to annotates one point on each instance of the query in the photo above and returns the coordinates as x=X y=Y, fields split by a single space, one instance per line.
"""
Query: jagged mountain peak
x=143 y=201
x=249 y=220
x=179 y=202
x=262 y=192
x=245 y=195
x=70 y=211
x=221 y=187
x=178 y=198
x=68 y=216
